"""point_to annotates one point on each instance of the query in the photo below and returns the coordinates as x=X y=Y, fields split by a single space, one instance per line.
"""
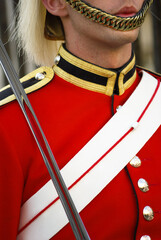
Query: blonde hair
x=30 y=33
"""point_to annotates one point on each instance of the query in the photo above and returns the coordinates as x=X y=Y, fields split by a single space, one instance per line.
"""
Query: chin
x=132 y=35
x=119 y=38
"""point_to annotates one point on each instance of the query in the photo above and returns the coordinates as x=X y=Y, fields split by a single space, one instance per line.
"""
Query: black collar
x=93 y=77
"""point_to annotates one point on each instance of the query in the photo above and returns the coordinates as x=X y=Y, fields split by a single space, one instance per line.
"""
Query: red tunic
x=70 y=116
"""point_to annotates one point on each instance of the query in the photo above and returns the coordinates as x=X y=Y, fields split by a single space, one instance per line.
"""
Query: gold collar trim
x=94 y=78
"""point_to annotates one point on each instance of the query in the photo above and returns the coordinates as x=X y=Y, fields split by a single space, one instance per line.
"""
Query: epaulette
x=157 y=75
x=31 y=82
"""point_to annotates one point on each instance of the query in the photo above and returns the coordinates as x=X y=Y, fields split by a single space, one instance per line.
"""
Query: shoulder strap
x=31 y=82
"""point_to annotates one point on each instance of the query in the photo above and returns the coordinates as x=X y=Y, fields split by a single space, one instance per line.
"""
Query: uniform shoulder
x=31 y=82
x=156 y=75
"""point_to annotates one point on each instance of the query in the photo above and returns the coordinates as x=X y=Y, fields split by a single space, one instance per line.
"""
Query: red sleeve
x=11 y=185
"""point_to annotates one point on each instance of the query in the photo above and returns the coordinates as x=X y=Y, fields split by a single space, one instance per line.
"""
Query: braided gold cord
x=108 y=20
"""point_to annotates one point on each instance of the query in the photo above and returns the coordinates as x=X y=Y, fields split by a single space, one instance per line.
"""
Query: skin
x=91 y=41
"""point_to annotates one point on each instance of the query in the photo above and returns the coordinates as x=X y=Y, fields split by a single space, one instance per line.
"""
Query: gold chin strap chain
x=108 y=20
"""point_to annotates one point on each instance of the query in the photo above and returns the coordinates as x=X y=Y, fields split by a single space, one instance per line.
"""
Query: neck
x=100 y=55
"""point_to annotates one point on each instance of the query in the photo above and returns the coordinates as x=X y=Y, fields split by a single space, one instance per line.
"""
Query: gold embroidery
x=79 y=82
x=130 y=82
x=84 y=65
x=110 y=75
x=110 y=85
x=124 y=86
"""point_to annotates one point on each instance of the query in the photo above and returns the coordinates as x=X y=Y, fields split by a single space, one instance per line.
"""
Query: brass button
x=135 y=162
x=39 y=76
x=145 y=237
x=143 y=185
x=148 y=213
x=57 y=60
x=118 y=108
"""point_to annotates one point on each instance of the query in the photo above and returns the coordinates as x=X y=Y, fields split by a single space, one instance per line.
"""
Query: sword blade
x=74 y=218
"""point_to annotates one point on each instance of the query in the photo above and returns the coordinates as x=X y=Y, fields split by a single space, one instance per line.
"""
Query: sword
x=74 y=218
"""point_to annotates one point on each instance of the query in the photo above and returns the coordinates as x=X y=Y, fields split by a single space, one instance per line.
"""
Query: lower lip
x=126 y=14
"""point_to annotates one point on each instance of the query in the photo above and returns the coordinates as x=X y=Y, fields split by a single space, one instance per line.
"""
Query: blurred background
x=147 y=47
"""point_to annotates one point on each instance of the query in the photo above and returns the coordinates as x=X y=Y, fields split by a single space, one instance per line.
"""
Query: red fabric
x=70 y=116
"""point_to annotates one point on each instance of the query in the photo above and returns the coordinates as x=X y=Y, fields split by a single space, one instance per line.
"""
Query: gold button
x=145 y=237
x=143 y=185
x=148 y=213
x=135 y=162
